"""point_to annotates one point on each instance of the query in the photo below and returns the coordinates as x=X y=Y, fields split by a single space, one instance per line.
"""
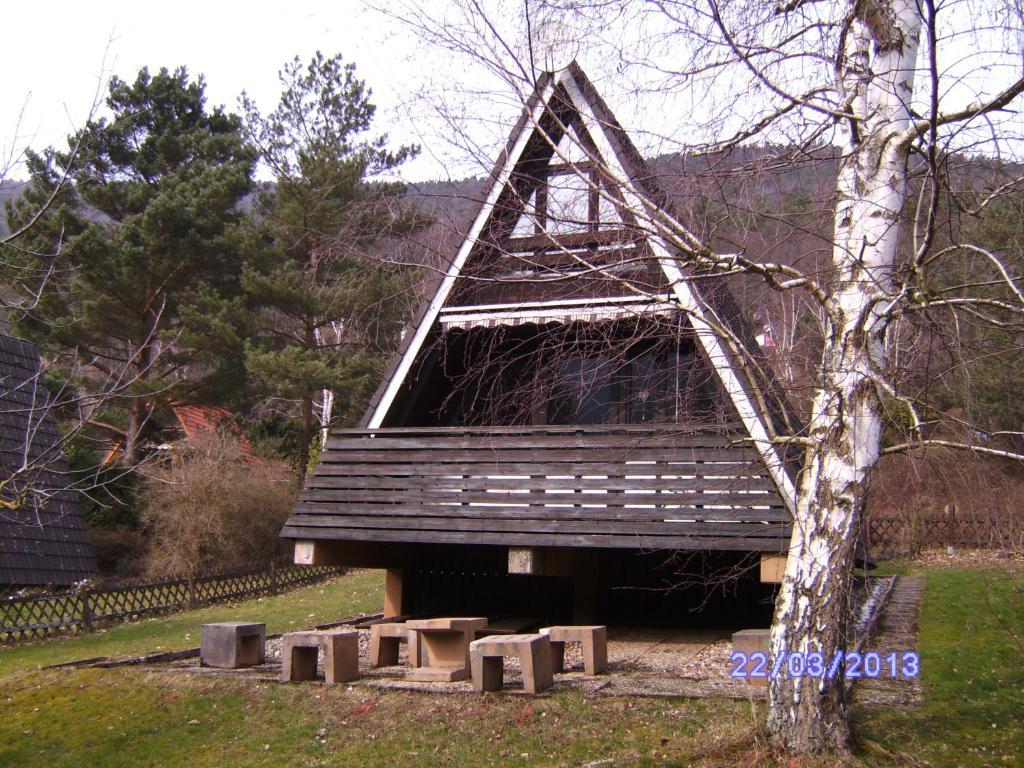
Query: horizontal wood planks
x=634 y=486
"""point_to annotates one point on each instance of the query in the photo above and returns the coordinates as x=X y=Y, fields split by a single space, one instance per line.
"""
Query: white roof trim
x=420 y=335
x=587 y=314
x=631 y=299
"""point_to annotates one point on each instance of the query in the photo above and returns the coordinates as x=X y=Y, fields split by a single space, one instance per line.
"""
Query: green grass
x=127 y=718
x=973 y=672
x=359 y=592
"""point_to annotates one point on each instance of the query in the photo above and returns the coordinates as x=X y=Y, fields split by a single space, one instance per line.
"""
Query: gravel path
x=897 y=632
x=642 y=662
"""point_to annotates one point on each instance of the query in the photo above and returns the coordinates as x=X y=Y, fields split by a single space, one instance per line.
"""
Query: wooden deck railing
x=609 y=486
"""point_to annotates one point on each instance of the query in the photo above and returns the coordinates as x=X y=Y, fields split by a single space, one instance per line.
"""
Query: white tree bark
x=877 y=76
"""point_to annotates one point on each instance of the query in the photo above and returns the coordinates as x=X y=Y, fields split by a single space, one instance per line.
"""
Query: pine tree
x=146 y=236
x=329 y=310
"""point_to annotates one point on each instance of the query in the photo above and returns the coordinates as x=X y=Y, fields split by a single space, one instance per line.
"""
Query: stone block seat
x=232 y=644
x=443 y=648
x=595 y=646
x=750 y=641
x=385 y=638
x=487 y=659
x=340 y=649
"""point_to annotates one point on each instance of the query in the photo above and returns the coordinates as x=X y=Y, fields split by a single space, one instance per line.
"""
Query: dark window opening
x=626 y=372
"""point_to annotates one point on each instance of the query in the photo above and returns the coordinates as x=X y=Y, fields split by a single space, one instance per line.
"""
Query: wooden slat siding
x=505 y=538
x=682 y=431
x=588 y=527
x=542 y=498
x=725 y=473
x=319 y=509
x=604 y=457
x=637 y=486
x=458 y=480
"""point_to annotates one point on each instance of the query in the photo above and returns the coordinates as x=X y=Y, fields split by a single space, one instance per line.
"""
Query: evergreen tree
x=328 y=309
x=146 y=236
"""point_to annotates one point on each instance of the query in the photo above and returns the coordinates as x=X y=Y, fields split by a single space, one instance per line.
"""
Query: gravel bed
x=642 y=662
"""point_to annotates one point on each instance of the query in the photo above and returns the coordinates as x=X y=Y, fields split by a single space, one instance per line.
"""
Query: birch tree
x=893 y=91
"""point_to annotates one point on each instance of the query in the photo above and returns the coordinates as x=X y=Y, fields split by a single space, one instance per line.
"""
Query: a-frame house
x=573 y=403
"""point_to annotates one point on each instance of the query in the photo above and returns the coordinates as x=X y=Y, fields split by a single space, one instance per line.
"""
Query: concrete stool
x=384 y=642
x=232 y=644
x=340 y=649
x=488 y=662
x=595 y=646
x=750 y=641
x=443 y=648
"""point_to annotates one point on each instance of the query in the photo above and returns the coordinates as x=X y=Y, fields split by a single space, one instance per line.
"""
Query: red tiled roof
x=196 y=419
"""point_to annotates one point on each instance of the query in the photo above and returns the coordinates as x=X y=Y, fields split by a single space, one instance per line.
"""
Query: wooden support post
x=584 y=595
x=392 y=593
x=951 y=537
x=87 y=617
x=579 y=565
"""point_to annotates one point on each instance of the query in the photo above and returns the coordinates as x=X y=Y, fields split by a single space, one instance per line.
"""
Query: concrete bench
x=340 y=649
x=384 y=641
x=487 y=659
x=595 y=646
x=232 y=644
x=443 y=648
x=750 y=641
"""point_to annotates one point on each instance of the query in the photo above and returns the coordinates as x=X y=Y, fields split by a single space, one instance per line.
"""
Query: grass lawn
x=973 y=671
x=359 y=592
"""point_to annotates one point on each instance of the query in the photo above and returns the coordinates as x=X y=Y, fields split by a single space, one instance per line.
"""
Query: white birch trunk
x=326 y=395
x=809 y=713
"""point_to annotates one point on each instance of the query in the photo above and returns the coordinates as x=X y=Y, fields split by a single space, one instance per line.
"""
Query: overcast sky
x=54 y=55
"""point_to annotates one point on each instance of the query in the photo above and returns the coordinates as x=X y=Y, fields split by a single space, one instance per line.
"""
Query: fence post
x=87 y=617
x=951 y=524
x=191 y=592
x=273 y=577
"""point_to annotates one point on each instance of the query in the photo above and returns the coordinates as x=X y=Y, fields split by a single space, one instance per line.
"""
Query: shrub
x=212 y=508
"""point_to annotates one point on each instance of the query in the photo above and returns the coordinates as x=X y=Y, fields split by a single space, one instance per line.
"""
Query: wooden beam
x=526 y=560
x=582 y=239
x=355 y=554
x=773 y=568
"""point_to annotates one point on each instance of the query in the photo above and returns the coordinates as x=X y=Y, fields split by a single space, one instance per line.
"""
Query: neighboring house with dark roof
x=43 y=540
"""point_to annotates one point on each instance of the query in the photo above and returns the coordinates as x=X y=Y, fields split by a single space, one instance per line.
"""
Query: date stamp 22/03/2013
x=893 y=664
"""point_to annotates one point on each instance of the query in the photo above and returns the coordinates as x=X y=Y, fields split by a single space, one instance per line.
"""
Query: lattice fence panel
x=34 y=617
x=909 y=535
x=39 y=616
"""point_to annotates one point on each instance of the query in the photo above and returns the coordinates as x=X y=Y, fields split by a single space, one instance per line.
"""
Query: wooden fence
x=37 y=616
x=909 y=534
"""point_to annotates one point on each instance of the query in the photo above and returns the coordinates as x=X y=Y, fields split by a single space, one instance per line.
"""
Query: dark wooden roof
x=754 y=371
x=637 y=487
x=44 y=540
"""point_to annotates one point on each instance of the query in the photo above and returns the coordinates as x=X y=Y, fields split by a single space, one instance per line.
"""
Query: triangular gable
x=566 y=120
